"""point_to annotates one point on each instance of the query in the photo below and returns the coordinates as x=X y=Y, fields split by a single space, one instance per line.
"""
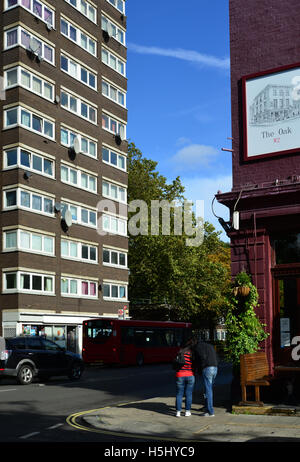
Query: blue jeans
x=209 y=375
x=184 y=386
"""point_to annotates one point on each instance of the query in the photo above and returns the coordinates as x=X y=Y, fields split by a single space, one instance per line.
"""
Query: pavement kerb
x=155 y=419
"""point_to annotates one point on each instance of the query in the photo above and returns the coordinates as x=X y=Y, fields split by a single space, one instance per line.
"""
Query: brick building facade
x=63 y=142
x=265 y=41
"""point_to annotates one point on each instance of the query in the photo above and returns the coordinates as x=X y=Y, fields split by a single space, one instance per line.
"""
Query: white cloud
x=205 y=189
x=193 y=156
x=179 y=53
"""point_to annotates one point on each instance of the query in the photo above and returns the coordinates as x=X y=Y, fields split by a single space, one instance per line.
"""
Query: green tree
x=191 y=281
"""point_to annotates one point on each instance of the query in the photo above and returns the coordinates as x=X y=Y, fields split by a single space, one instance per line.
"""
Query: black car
x=28 y=357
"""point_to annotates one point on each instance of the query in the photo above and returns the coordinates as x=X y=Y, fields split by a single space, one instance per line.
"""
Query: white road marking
x=55 y=426
x=24 y=437
x=10 y=389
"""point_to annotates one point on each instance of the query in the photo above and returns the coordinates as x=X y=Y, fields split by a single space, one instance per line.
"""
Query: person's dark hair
x=189 y=344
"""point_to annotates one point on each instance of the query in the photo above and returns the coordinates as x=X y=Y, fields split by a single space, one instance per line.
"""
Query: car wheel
x=25 y=375
x=139 y=359
x=75 y=372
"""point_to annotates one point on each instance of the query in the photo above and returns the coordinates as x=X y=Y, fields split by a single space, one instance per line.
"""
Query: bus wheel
x=139 y=359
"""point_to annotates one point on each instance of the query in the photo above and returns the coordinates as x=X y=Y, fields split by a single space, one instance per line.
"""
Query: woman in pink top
x=185 y=381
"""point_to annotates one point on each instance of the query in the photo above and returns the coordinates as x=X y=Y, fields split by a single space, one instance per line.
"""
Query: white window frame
x=32 y=76
x=79 y=282
x=31 y=10
x=120 y=189
x=79 y=176
x=31 y=248
x=120 y=223
x=110 y=57
x=119 y=285
x=31 y=114
x=118 y=252
x=79 y=33
x=112 y=120
x=113 y=89
x=79 y=68
x=18 y=205
x=30 y=168
x=118 y=155
x=79 y=102
x=66 y=205
x=116 y=3
x=77 y=4
x=44 y=44
x=83 y=139
x=79 y=256
x=31 y=274
x=119 y=34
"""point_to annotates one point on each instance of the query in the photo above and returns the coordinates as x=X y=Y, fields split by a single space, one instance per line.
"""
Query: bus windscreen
x=99 y=331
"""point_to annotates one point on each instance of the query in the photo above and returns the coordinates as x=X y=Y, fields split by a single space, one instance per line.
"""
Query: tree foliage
x=190 y=281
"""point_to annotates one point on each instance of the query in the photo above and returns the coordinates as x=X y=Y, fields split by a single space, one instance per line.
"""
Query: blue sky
x=179 y=93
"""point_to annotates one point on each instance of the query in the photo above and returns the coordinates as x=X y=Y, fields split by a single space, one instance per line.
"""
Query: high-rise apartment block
x=63 y=173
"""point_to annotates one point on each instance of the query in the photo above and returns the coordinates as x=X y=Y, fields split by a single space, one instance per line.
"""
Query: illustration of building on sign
x=275 y=103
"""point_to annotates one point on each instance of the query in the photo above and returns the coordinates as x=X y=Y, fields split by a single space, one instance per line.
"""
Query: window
x=73 y=287
x=21 y=281
x=20 y=239
x=85 y=8
x=113 y=158
x=116 y=258
x=113 y=191
x=80 y=215
x=113 y=61
x=37 y=8
x=23 y=158
x=78 y=72
x=26 y=199
x=77 y=35
x=79 y=251
x=19 y=36
x=78 y=178
x=78 y=107
x=20 y=116
x=87 y=146
x=113 y=126
x=114 y=291
x=114 y=225
x=115 y=94
x=119 y=4
x=18 y=76
x=113 y=29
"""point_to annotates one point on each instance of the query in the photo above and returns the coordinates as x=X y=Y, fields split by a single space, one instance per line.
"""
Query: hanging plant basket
x=243 y=291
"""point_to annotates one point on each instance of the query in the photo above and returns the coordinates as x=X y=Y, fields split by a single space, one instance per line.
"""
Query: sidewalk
x=154 y=420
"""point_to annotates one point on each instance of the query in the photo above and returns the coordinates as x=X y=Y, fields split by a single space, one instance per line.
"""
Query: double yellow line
x=72 y=421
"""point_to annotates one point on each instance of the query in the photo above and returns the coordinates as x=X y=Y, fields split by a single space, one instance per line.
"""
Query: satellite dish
x=110 y=30
x=68 y=218
x=121 y=133
x=49 y=26
x=33 y=46
x=57 y=99
x=76 y=145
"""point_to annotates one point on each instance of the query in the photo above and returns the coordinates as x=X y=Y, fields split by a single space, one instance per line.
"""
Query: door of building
x=286 y=315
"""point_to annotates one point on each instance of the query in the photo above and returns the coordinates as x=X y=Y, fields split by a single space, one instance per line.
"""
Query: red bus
x=122 y=341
